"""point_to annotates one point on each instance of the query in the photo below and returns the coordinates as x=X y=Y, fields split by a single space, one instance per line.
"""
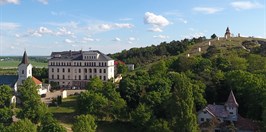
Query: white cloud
x=207 y=10
x=63 y=31
x=44 y=30
x=123 y=25
x=183 y=20
x=9 y=2
x=117 y=39
x=88 y=39
x=107 y=27
x=17 y=35
x=45 y=2
x=8 y=26
x=155 y=20
x=36 y=34
x=245 y=5
x=40 y=32
x=161 y=36
x=69 y=41
x=131 y=39
x=155 y=29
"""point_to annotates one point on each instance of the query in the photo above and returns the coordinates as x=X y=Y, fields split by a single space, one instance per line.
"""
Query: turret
x=227 y=33
x=232 y=106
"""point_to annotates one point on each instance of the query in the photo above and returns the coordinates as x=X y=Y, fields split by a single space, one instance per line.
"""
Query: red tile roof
x=246 y=124
x=36 y=81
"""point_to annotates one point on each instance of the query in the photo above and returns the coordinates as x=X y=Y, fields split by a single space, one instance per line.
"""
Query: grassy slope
x=65 y=112
x=221 y=44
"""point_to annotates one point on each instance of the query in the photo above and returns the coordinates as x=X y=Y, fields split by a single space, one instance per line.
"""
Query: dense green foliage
x=24 y=125
x=50 y=125
x=32 y=107
x=84 y=123
x=101 y=99
x=32 y=114
x=180 y=105
x=166 y=94
x=5 y=95
x=40 y=73
x=142 y=56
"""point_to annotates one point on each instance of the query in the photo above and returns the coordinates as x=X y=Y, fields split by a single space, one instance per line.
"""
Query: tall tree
x=181 y=104
x=141 y=115
x=32 y=107
x=95 y=83
x=121 y=68
x=5 y=95
x=6 y=114
x=95 y=103
x=48 y=124
x=84 y=123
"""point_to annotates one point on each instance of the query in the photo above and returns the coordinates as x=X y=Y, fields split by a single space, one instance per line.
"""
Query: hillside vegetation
x=237 y=64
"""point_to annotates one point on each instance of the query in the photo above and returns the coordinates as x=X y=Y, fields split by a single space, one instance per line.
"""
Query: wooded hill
x=157 y=87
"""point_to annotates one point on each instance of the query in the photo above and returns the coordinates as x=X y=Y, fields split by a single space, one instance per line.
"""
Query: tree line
x=145 y=55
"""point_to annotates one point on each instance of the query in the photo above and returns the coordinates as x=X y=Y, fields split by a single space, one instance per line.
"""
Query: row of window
x=90 y=57
x=79 y=70
x=78 y=64
x=86 y=77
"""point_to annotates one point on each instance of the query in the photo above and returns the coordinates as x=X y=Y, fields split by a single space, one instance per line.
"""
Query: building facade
x=221 y=116
x=73 y=69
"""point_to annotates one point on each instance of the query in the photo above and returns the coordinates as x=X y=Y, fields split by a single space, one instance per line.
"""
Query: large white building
x=76 y=68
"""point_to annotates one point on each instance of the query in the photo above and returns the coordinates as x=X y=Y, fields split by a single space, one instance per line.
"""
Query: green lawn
x=65 y=113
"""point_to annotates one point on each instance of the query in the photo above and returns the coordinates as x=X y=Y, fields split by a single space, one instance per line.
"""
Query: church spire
x=231 y=101
x=25 y=59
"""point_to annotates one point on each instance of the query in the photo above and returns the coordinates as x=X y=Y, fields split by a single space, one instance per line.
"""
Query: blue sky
x=44 y=26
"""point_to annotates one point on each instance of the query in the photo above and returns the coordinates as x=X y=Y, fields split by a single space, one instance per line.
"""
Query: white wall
x=204 y=115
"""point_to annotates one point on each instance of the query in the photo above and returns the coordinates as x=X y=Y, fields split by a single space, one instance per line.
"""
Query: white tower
x=24 y=69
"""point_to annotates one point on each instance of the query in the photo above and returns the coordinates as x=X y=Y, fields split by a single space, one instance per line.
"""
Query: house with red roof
x=225 y=115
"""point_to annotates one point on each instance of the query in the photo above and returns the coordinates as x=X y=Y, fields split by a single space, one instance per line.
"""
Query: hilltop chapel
x=227 y=34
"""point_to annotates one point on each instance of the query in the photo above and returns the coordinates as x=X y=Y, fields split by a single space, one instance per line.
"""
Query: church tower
x=24 y=69
x=227 y=33
x=232 y=107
